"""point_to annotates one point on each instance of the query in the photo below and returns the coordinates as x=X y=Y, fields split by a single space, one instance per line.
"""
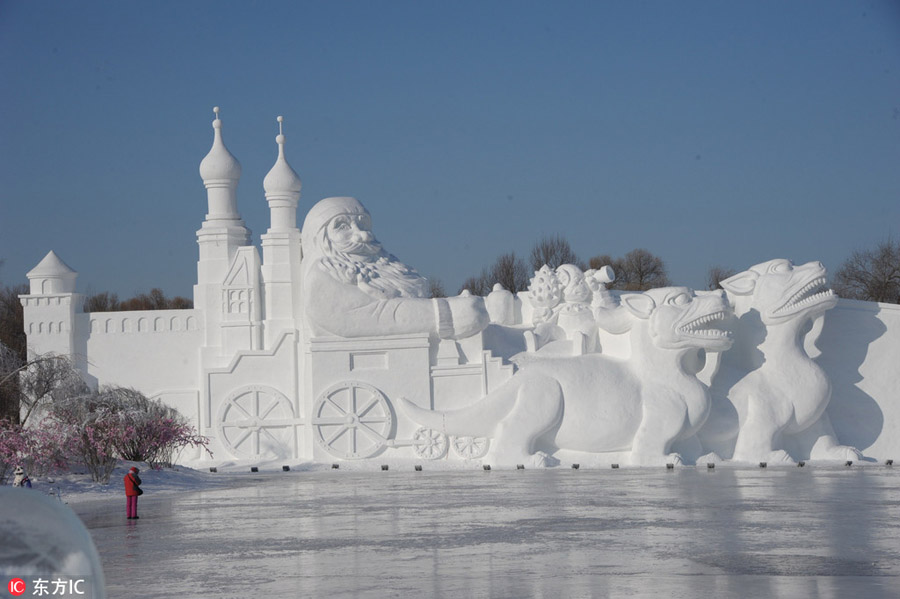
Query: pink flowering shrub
x=153 y=431
x=99 y=427
x=12 y=448
x=89 y=427
x=45 y=450
x=96 y=428
x=38 y=450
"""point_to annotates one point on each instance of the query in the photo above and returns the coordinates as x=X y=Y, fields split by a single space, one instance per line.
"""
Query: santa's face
x=352 y=234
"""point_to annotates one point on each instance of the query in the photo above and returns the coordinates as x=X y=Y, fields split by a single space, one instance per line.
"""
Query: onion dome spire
x=219 y=166
x=281 y=180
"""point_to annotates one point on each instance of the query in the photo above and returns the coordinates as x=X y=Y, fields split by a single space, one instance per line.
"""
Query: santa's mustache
x=360 y=247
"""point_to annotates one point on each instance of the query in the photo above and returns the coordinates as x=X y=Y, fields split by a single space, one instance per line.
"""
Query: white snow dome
x=52 y=275
x=219 y=164
x=281 y=179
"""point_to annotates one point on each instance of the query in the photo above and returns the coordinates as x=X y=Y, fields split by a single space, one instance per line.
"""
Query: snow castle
x=323 y=346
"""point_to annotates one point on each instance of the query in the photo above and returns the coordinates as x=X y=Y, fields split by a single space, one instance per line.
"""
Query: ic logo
x=16 y=587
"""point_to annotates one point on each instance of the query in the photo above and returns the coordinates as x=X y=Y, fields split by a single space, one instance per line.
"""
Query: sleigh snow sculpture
x=357 y=382
x=375 y=340
x=373 y=337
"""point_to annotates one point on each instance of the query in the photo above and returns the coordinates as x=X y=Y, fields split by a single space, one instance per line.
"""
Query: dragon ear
x=740 y=284
x=639 y=304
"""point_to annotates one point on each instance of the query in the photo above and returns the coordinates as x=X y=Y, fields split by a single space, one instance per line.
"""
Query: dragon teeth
x=693 y=327
x=798 y=300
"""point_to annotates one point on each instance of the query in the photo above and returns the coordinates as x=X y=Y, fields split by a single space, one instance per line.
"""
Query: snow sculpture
x=596 y=403
x=567 y=303
x=574 y=315
x=767 y=385
x=301 y=348
x=43 y=539
x=354 y=288
x=501 y=305
x=544 y=294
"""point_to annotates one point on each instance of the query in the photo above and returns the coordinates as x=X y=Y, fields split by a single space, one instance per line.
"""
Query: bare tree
x=477 y=285
x=155 y=300
x=871 y=275
x=10 y=366
x=716 y=275
x=102 y=302
x=14 y=348
x=12 y=319
x=41 y=380
x=553 y=251
x=436 y=288
x=638 y=270
x=510 y=271
x=180 y=303
x=641 y=270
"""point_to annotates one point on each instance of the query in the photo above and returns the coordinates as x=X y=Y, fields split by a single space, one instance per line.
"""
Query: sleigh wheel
x=352 y=420
x=430 y=444
x=470 y=448
x=256 y=422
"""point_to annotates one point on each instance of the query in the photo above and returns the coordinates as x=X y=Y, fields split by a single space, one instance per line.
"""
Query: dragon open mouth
x=706 y=326
x=810 y=294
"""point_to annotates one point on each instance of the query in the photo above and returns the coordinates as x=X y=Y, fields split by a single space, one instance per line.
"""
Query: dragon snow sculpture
x=767 y=386
x=598 y=403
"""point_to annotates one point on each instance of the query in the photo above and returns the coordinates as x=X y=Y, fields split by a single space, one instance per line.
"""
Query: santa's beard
x=373 y=270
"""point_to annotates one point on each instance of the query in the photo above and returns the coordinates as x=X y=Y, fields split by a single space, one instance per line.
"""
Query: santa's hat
x=325 y=210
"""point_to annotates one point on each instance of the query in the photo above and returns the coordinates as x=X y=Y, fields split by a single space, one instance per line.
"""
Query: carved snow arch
x=257 y=421
x=352 y=420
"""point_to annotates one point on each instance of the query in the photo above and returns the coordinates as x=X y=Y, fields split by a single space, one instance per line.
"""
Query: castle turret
x=51 y=276
x=222 y=234
x=221 y=172
x=50 y=308
x=282 y=186
x=281 y=246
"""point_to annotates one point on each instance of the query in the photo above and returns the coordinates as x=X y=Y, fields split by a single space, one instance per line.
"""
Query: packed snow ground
x=818 y=531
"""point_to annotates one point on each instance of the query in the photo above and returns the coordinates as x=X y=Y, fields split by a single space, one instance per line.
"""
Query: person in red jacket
x=132 y=490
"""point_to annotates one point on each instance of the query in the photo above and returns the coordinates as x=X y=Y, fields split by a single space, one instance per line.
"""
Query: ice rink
x=692 y=532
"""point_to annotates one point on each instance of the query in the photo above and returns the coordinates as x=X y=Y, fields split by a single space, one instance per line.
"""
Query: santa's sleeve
x=344 y=310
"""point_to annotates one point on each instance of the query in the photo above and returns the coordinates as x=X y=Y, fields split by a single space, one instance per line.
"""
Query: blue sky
x=706 y=132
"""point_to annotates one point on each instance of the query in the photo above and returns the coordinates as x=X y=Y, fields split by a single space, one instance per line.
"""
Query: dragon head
x=780 y=291
x=680 y=318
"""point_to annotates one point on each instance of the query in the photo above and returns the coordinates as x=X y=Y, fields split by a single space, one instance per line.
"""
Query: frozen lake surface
x=775 y=532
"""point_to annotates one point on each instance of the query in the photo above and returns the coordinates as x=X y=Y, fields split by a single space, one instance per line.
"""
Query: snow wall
x=860 y=345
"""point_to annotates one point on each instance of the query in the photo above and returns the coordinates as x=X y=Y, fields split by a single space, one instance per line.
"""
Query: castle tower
x=281 y=247
x=222 y=234
x=50 y=307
